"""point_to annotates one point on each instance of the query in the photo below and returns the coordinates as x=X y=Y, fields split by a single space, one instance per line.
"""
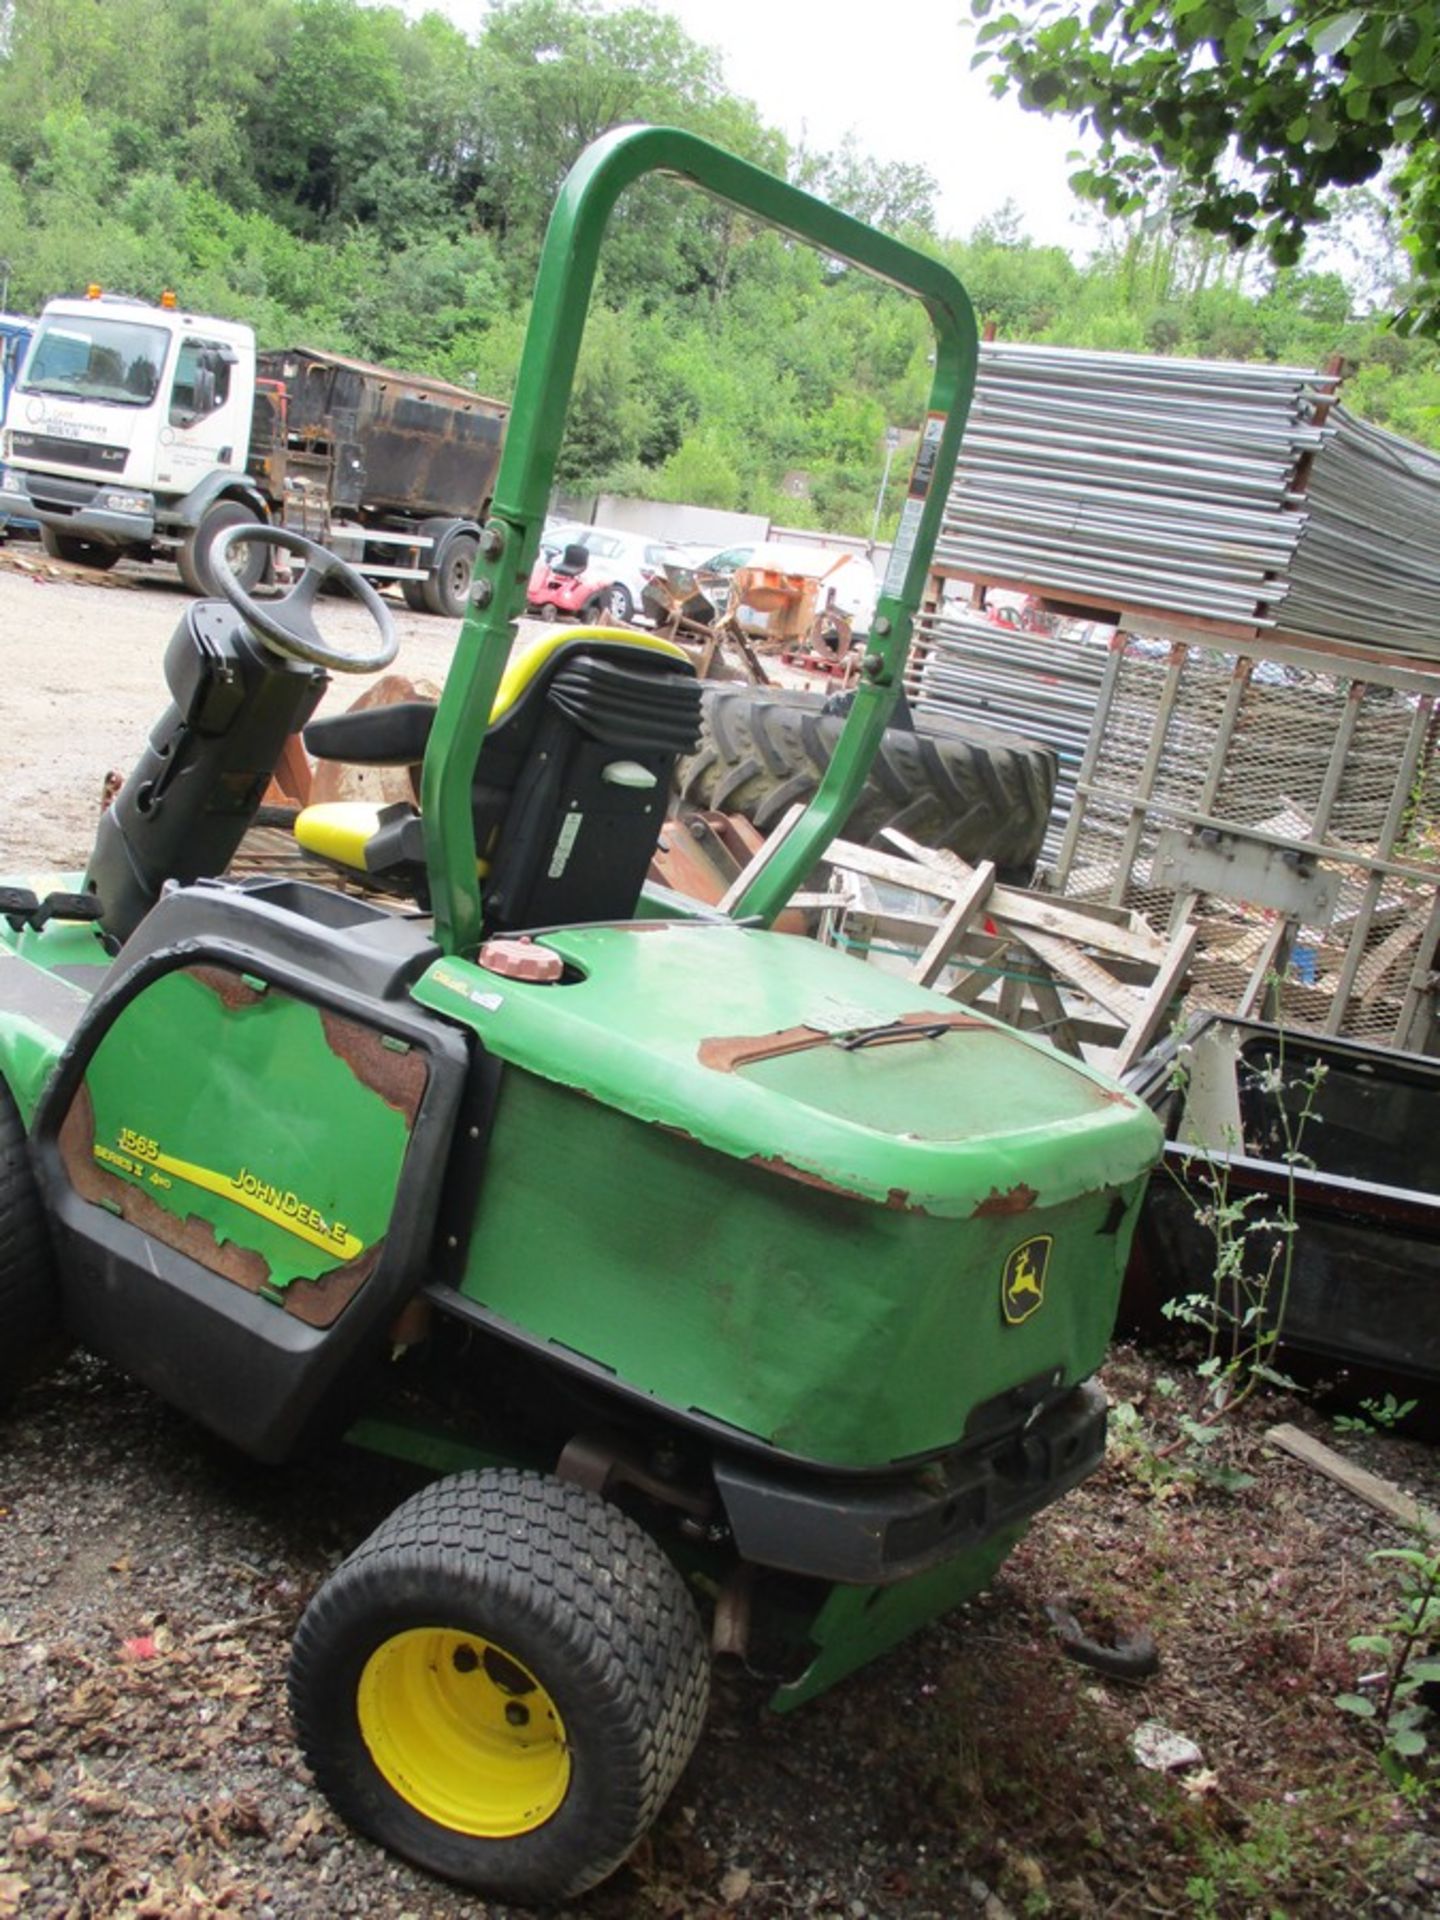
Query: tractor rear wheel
x=972 y=789
x=502 y=1684
x=33 y=1336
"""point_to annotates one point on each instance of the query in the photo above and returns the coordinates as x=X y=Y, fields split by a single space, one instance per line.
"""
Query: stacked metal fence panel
x=1367 y=565
x=1149 y=482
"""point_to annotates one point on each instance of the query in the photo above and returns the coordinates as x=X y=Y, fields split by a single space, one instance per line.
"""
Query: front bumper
x=877 y=1530
x=76 y=507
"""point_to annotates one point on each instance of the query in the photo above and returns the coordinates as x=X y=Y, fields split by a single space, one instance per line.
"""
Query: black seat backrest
x=573 y=783
x=592 y=746
x=572 y=563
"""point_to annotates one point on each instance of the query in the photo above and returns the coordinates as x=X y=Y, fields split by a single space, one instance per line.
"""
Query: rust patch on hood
x=897 y=1200
x=229 y=989
x=997 y=1205
x=727 y=1053
x=772 y=1163
x=397 y=1076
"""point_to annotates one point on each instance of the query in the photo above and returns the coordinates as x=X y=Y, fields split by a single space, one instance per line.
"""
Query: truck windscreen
x=99 y=359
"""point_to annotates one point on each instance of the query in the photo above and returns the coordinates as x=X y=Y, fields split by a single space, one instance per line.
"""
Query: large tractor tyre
x=245 y=559
x=77 y=552
x=956 y=784
x=503 y=1684
x=446 y=588
x=32 y=1336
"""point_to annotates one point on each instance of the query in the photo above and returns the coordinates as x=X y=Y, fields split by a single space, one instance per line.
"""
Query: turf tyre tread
x=576 y=1590
x=980 y=792
x=31 y=1328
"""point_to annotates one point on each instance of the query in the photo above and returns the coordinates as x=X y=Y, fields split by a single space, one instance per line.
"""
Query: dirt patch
x=150 y=1582
x=85 y=682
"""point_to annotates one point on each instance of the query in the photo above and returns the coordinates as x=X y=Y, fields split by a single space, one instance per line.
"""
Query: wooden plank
x=1012 y=999
x=856 y=927
x=1066 y=960
x=1070 y=919
x=1058 y=1027
x=1376 y=1492
x=1370 y=974
x=1157 y=998
x=951 y=930
x=967 y=992
x=895 y=871
x=1117 y=929
x=736 y=890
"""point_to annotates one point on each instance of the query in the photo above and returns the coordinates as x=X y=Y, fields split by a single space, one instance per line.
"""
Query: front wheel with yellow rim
x=502 y=1684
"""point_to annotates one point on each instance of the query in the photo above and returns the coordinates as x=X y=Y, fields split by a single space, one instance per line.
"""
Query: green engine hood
x=745 y=1040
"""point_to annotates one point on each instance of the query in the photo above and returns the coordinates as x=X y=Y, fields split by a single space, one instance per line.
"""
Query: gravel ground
x=150 y=1581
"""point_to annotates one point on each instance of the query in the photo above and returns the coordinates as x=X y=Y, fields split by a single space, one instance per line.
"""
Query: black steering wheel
x=287 y=624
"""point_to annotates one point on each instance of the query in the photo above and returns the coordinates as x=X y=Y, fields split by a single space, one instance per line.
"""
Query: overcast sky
x=899 y=75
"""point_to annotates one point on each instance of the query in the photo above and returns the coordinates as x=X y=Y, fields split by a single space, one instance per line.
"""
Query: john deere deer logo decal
x=1022 y=1284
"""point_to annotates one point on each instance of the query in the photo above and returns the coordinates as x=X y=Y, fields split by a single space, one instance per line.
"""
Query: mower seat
x=571 y=786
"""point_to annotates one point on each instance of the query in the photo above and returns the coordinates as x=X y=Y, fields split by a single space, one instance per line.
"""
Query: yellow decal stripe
x=340 y=1241
x=346 y=1244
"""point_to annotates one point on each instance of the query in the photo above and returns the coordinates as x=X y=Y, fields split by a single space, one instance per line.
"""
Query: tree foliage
x=1257 y=110
x=347 y=176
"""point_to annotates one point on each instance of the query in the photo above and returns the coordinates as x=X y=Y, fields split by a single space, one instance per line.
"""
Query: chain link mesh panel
x=1266 y=764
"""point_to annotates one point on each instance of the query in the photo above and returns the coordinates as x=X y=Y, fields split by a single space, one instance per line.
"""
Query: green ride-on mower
x=713 y=1271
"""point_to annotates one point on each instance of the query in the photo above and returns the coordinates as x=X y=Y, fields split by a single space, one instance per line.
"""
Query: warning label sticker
x=927 y=453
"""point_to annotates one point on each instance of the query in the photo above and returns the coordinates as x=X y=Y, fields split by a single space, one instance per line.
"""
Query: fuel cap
x=520 y=959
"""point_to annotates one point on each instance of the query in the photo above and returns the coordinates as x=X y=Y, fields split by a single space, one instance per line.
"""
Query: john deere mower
x=719 y=1276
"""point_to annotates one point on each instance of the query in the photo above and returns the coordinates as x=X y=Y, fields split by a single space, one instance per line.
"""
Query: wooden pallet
x=1096 y=981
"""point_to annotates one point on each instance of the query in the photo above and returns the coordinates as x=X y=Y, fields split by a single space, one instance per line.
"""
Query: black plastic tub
x=1362 y=1318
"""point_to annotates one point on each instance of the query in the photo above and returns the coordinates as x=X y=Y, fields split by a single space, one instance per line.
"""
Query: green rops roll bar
x=527 y=468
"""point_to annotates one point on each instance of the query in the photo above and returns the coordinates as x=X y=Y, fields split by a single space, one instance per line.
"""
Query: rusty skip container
x=401 y=443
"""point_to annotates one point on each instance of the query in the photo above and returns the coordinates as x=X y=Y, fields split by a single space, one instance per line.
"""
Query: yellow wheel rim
x=463 y=1732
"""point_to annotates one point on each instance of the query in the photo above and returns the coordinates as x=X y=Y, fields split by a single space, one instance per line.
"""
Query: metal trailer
x=392 y=471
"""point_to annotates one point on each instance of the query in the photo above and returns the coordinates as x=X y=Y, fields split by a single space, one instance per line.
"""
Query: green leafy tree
x=893 y=194
x=1256 y=109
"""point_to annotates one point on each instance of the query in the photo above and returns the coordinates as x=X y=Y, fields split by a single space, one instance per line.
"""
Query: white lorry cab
x=141 y=430
x=128 y=431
